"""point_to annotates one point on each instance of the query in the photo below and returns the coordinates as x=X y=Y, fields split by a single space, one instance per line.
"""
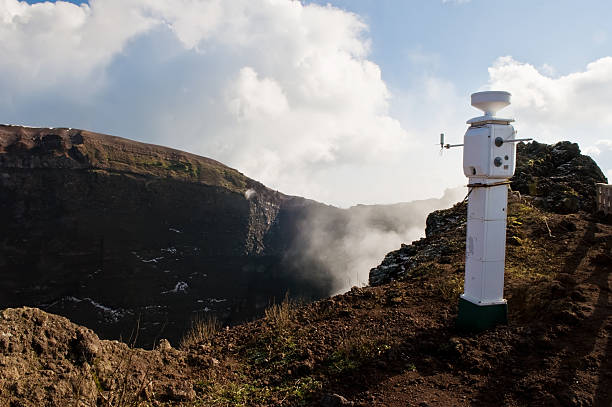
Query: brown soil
x=391 y=345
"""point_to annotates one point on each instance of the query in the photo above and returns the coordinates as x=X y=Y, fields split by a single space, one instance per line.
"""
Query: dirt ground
x=397 y=344
x=390 y=345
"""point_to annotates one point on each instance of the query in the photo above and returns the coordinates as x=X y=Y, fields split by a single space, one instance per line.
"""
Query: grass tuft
x=202 y=330
x=281 y=316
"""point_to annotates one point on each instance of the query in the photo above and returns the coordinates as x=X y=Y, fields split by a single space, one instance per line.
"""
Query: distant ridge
x=73 y=148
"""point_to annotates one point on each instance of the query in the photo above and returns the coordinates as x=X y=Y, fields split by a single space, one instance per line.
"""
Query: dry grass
x=202 y=330
x=282 y=315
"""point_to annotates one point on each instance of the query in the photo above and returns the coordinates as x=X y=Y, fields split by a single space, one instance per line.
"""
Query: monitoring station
x=488 y=161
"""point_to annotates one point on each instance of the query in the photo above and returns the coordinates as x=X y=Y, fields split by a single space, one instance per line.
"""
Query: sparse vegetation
x=356 y=349
x=243 y=391
x=280 y=316
x=201 y=331
x=449 y=287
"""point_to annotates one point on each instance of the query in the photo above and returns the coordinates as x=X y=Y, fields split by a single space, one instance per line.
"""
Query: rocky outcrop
x=85 y=159
x=555 y=178
x=443 y=236
x=560 y=178
x=48 y=360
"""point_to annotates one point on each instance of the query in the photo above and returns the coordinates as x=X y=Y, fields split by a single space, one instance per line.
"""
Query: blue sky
x=458 y=40
x=340 y=103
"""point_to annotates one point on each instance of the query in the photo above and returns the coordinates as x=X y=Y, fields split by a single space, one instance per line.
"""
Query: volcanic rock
x=555 y=178
x=560 y=178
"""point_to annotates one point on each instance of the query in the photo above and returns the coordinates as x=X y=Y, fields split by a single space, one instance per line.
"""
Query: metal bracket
x=447 y=146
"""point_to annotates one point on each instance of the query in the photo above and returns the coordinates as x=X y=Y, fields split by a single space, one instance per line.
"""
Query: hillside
x=115 y=233
x=391 y=344
x=136 y=240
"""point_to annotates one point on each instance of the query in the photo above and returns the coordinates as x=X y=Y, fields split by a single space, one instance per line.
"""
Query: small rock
x=180 y=391
x=86 y=345
x=578 y=296
x=164 y=345
x=334 y=400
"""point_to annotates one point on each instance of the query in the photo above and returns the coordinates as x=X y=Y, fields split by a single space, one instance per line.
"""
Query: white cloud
x=573 y=107
x=48 y=43
x=593 y=151
x=548 y=70
x=250 y=98
x=605 y=144
x=580 y=98
x=280 y=90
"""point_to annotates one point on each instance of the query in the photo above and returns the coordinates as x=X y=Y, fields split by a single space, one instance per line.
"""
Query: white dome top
x=490 y=102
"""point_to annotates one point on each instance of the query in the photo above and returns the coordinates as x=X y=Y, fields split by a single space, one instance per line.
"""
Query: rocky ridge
x=25 y=148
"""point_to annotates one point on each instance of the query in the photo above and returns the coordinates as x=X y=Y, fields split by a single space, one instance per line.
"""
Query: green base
x=478 y=318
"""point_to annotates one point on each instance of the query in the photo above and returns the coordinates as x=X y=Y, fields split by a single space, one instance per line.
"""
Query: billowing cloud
x=283 y=91
x=48 y=44
x=578 y=98
x=572 y=107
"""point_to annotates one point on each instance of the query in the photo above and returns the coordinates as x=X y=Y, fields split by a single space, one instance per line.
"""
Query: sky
x=340 y=101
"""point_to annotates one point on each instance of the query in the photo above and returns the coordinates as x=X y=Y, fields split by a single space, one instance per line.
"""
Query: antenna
x=446 y=146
